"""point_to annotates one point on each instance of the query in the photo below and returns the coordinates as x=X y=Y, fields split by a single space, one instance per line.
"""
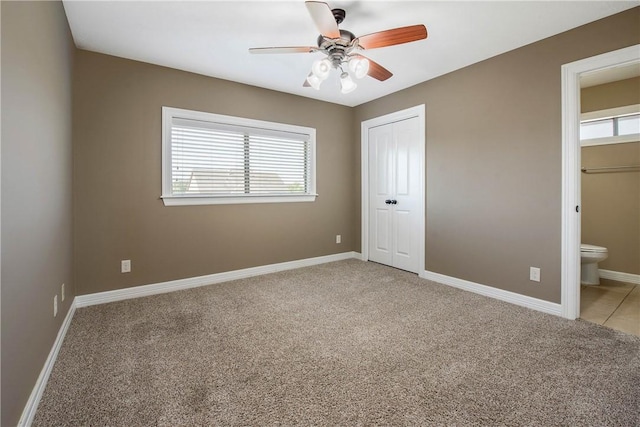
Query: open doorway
x=571 y=166
x=610 y=198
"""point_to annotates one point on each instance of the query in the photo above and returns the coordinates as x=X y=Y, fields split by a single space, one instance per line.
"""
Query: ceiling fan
x=341 y=47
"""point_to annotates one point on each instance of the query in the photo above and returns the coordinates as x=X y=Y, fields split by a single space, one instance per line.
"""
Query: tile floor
x=613 y=304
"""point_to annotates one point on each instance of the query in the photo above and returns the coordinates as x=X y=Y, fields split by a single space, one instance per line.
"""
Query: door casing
x=417 y=111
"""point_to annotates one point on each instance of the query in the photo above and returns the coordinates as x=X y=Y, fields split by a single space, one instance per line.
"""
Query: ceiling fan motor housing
x=346 y=37
x=337 y=49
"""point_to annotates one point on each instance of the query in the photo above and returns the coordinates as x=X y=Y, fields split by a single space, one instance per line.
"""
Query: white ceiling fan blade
x=294 y=49
x=323 y=18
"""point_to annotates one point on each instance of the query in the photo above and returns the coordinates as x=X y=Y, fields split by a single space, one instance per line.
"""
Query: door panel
x=382 y=149
x=380 y=182
x=403 y=231
x=382 y=241
x=407 y=170
x=402 y=165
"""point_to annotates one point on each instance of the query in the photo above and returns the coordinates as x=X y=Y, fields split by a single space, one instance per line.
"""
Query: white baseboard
x=620 y=277
x=488 y=291
x=194 y=282
x=34 y=399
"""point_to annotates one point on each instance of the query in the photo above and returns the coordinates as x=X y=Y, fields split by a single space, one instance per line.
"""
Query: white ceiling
x=213 y=37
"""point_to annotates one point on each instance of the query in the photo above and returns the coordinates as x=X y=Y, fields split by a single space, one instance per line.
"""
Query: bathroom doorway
x=572 y=74
x=610 y=198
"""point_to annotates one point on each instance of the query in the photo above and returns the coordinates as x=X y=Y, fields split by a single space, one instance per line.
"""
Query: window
x=213 y=159
x=617 y=125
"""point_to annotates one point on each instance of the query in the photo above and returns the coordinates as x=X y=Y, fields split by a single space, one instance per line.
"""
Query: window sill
x=234 y=200
x=621 y=139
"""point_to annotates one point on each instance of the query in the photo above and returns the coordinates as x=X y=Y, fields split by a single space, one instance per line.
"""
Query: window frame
x=170 y=199
x=610 y=113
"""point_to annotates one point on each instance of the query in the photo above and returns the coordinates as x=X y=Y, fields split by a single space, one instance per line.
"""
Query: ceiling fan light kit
x=359 y=66
x=341 y=46
x=314 y=81
x=321 y=68
x=346 y=83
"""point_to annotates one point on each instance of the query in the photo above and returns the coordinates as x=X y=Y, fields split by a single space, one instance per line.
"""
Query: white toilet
x=590 y=256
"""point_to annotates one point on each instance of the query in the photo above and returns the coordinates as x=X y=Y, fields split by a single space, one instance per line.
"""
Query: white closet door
x=394 y=185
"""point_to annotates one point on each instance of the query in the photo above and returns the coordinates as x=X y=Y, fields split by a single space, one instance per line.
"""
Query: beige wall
x=118 y=213
x=611 y=205
x=493 y=158
x=610 y=95
x=37 y=56
x=611 y=201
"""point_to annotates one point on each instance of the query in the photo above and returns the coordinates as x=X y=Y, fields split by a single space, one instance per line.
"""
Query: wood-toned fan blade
x=393 y=37
x=296 y=49
x=323 y=18
x=376 y=70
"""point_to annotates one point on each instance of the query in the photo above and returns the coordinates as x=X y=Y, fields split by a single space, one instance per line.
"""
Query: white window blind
x=210 y=158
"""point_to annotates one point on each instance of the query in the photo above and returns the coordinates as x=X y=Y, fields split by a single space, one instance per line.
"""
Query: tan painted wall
x=611 y=205
x=37 y=57
x=493 y=158
x=611 y=201
x=117 y=153
x=610 y=95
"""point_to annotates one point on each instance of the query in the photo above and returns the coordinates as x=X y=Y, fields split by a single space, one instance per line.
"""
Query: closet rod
x=611 y=169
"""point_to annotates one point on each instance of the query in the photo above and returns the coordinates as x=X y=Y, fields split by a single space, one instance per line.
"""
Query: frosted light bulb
x=314 y=81
x=346 y=83
x=359 y=66
x=321 y=68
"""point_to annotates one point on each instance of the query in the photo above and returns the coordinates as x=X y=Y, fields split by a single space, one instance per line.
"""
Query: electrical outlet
x=55 y=306
x=62 y=292
x=338 y=238
x=534 y=274
x=125 y=266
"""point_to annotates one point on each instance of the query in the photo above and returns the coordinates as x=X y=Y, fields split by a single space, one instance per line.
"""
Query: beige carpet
x=346 y=343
